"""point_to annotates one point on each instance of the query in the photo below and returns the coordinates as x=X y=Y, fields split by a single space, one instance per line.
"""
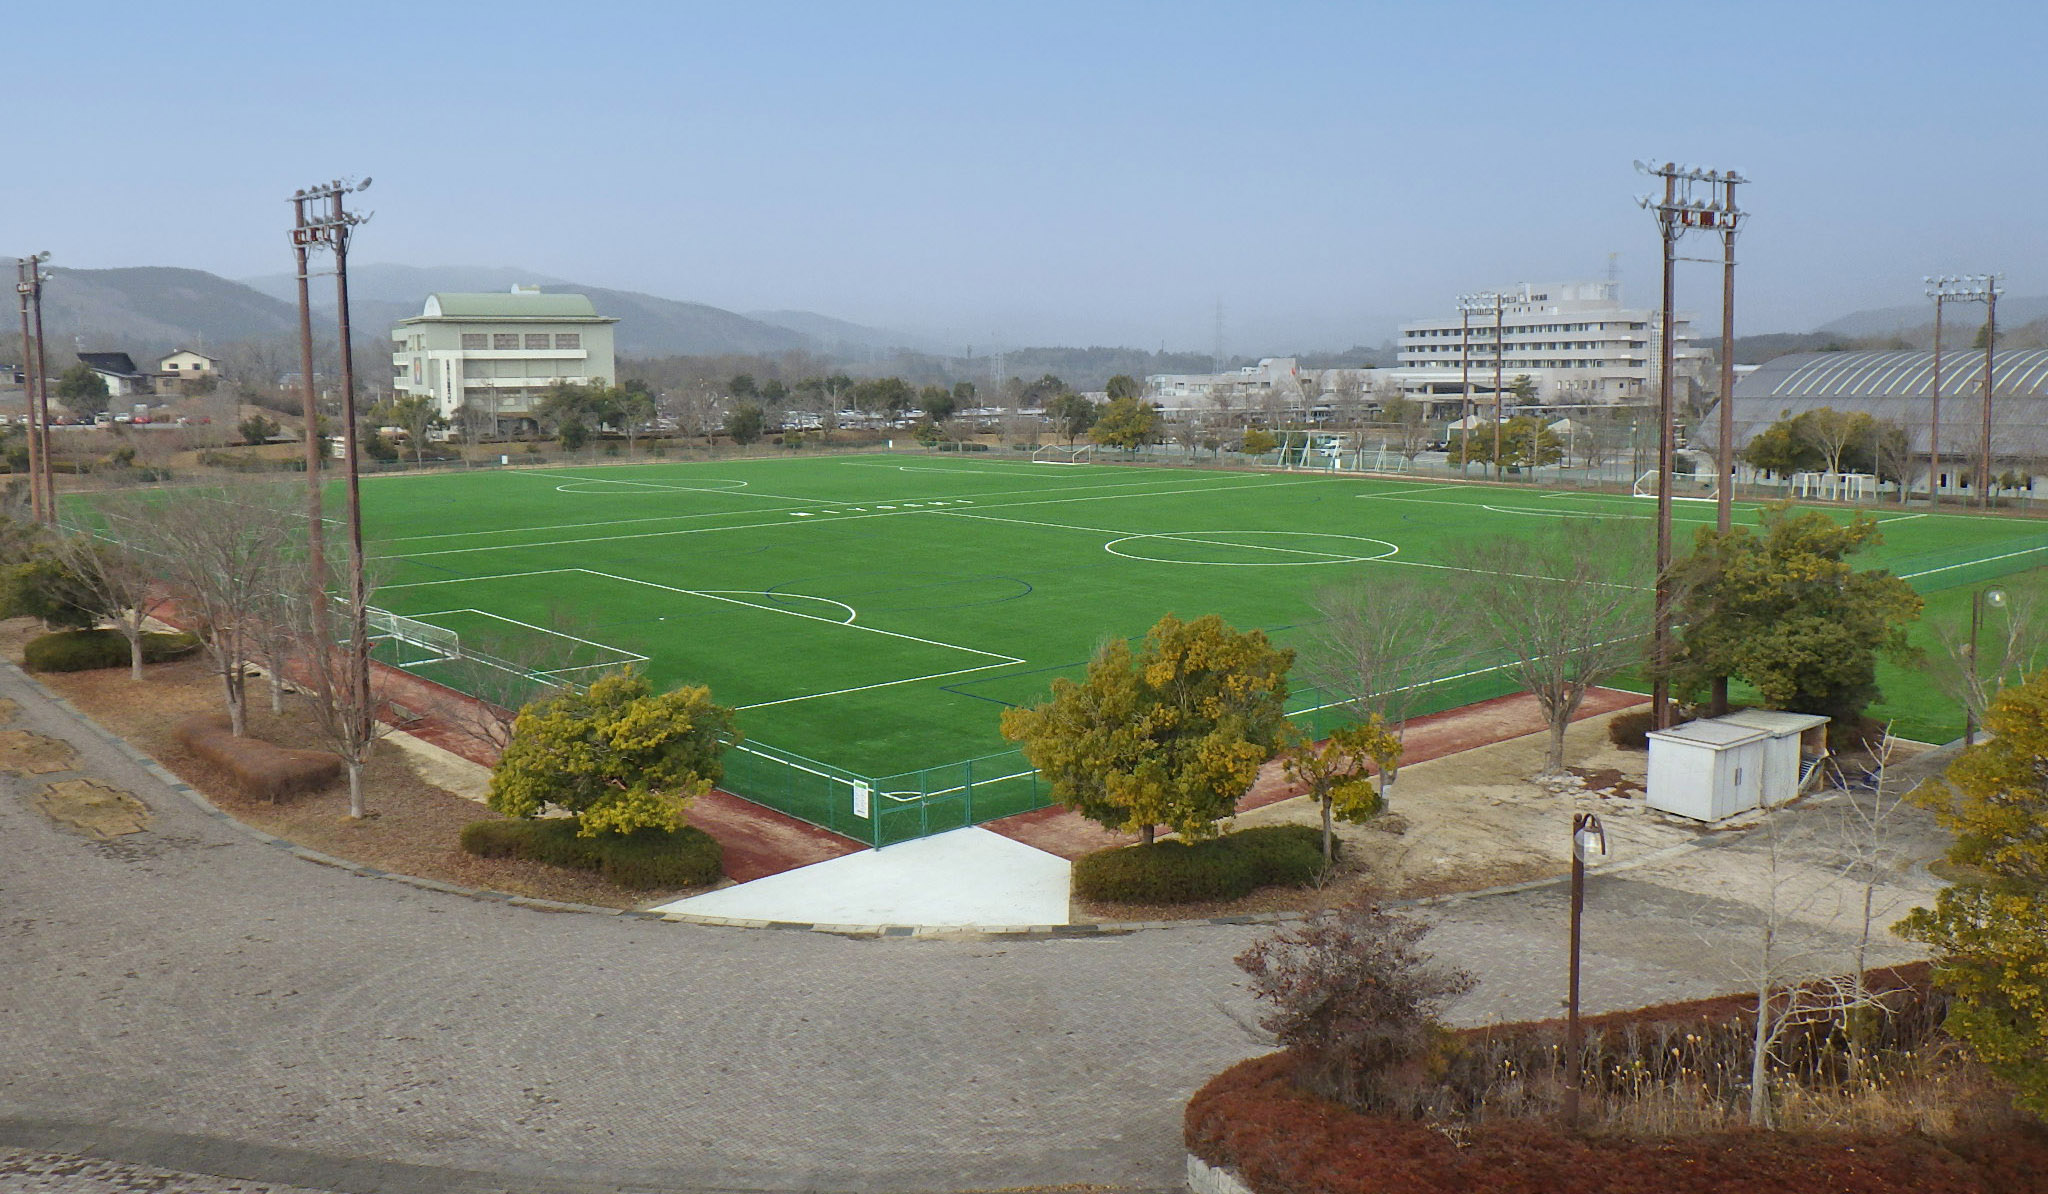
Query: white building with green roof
x=500 y=352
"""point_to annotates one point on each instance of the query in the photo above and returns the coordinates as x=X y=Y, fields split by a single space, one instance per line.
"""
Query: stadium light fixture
x=1962 y=288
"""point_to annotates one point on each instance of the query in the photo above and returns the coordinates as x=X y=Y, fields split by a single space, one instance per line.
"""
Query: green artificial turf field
x=874 y=615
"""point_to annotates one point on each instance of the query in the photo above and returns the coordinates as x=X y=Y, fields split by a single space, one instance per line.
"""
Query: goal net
x=1685 y=487
x=399 y=633
x=1834 y=487
x=1062 y=454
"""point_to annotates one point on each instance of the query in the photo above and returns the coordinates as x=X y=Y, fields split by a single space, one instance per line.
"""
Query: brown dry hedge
x=257 y=768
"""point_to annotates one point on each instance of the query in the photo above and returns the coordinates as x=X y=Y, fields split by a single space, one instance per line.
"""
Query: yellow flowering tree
x=1171 y=734
x=616 y=756
x=1334 y=772
x=1990 y=928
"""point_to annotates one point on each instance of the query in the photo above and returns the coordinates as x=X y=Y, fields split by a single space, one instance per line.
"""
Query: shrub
x=1631 y=731
x=85 y=650
x=257 y=768
x=640 y=861
x=1222 y=868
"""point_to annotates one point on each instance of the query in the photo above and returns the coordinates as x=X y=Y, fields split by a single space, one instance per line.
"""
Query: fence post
x=967 y=792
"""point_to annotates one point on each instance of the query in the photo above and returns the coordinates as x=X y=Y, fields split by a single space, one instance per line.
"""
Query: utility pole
x=1499 y=353
x=39 y=412
x=1464 y=385
x=24 y=267
x=1679 y=211
x=1724 y=509
x=1587 y=833
x=333 y=228
x=1963 y=288
x=316 y=539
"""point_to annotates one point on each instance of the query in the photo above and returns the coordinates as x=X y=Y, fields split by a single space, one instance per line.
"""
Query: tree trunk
x=355 y=789
x=276 y=691
x=1718 y=703
x=1554 y=763
x=1146 y=834
x=1759 y=1058
x=1329 y=844
x=135 y=656
x=238 y=713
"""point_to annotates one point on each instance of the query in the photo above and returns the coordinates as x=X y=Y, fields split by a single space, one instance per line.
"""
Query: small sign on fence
x=861 y=792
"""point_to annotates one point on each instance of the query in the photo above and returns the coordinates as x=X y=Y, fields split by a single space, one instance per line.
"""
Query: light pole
x=1468 y=305
x=24 y=268
x=1679 y=211
x=1995 y=598
x=1962 y=288
x=1587 y=833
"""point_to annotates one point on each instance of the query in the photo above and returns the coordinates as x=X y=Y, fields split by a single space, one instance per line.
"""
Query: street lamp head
x=1587 y=835
x=1995 y=598
x=363 y=185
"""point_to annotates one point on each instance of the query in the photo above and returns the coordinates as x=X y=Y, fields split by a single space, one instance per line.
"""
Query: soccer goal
x=1063 y=454
x=411 y=642
x=1685 y=487
x=1835 y=487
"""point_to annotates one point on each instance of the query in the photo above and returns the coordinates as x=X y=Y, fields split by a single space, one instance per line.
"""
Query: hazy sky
x=1043 y=172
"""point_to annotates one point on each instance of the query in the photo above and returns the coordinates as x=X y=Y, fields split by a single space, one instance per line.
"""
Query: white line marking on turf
x=463 y=580
x=812 y=696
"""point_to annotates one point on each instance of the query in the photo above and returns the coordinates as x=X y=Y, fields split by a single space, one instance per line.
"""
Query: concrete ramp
x=965 y=877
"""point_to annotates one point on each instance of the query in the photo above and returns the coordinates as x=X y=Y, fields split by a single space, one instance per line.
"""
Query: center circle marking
x=1310 y=556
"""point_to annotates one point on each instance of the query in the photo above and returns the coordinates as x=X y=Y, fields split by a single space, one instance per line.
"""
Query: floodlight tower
x=1694 y=199
x=1479 y=302
x=26 y=269
x=1962 y=288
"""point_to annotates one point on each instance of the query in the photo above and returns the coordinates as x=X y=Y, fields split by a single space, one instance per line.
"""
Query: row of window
x=503 y=341
x=1553 y=346
x=1522 y=363
x=1523 y=329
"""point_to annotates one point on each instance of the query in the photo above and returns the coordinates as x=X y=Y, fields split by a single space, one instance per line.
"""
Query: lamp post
x=1587 y=833
x=1995 y=598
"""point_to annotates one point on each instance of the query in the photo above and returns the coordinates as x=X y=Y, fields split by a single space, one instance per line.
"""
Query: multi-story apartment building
x=1575 y=341
x=500 y=352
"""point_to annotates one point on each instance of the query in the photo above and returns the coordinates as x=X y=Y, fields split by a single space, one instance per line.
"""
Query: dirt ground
x=413 y=825
x=1464 y=822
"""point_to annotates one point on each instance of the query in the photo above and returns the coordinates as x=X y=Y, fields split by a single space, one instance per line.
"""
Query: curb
x=866 y=931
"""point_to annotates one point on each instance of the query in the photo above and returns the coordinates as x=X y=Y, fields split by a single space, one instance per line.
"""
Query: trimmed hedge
x=85 y=650
x=646 y=860
x=1631 y=731
x=1221 y=868
x=257 y=768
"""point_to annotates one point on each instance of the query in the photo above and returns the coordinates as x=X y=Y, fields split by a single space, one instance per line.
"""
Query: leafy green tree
x=885 y=396
x=1990 y=927
x=616 y=756
x=566 y=402
x=39 y=582
x=82 y=390
x=572 y=435
x=1071 y=415
x=937 y=403
x=417 y=415
x=963 y=393
x=1126 y=423
x=926 y=433
x=1258 y=441
x=1335 y=776
x=1172 y=734
x=742 y=385
x=1123 y=385
x=1786 y=611
x=745 y=423
x=635 y=406
x=1523 y=387
x=1040 y=393
x=256 y=430
x=1525 y=441
x=1780 y=450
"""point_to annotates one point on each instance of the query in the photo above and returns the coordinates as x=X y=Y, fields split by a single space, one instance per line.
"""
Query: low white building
x=501 y=352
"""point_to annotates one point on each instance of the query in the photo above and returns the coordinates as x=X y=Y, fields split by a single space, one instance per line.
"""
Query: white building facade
x=501 y=352
x=1575 y=341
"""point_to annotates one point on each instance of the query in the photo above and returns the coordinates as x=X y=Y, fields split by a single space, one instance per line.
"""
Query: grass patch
x=1222 y=868
x=644 y=861
x=85 y=650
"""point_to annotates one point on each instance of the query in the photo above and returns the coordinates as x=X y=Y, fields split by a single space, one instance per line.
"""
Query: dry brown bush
x=258 y=769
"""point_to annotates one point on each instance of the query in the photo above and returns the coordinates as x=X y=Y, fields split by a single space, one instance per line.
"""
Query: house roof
x=117 y=363
x=523 y=305
x=189 y=351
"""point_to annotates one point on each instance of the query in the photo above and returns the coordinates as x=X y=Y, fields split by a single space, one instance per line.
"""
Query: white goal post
x=1835 y=487
x=1685 y=487
x=1062 y=454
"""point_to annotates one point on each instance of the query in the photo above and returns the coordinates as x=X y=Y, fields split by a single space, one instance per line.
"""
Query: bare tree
x=1405 y=421
x=1565 y=605
x=219 y=548
x=2007 y=648
x=121 y=581
x=1833 y=432
x=474 y=421
x=1381 y=640
x=345 y=698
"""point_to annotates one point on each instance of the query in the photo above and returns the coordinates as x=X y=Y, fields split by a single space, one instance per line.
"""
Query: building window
x=536 y=339
x=505 y=340
x=568 y=339
x=475 y=340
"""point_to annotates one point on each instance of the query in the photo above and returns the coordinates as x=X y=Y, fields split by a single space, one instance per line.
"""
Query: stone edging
x=927 y=932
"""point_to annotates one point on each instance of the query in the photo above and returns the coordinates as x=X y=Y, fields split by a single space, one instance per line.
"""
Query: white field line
x=906 y=797
x=2010 y=555
x=748 y=526
x=842 y=779
x=463 y=580
x=630 y=656
x=812 y=696
x=1186 y=537
x=740 y=490
x=790 y=613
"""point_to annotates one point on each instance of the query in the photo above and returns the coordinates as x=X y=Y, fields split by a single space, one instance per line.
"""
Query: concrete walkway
x=188 y=997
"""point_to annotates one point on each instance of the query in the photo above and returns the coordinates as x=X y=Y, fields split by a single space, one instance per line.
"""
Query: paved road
x=191 y=993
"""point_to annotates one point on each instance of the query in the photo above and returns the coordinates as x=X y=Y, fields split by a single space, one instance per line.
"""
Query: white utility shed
x=1708 y=770
x=1795 y=737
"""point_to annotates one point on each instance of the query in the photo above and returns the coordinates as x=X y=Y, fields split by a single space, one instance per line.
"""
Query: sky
x=1043 y=172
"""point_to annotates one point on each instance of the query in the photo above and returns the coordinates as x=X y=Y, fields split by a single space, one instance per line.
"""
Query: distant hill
x=829 y=333
x=2013 y=310
x=146 y=310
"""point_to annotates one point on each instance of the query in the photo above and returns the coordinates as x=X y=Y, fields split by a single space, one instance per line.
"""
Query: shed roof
x=1776 y=722
x=115 y=363
x=1710 y=733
